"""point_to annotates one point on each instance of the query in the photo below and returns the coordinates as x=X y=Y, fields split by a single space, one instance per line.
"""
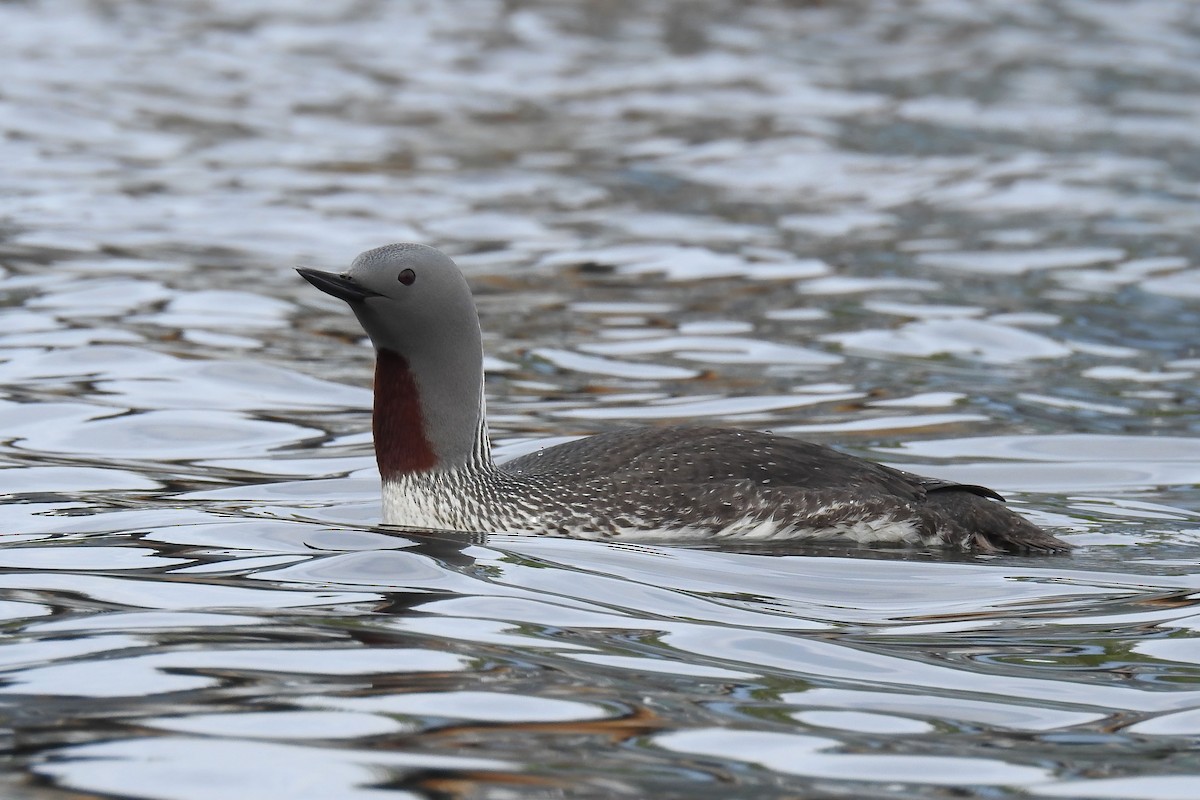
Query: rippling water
x=956 y=237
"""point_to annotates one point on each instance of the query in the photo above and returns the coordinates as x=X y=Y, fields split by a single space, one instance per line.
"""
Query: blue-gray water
x=959 y=237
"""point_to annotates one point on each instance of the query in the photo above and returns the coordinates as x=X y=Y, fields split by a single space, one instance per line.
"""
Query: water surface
x=958 y=238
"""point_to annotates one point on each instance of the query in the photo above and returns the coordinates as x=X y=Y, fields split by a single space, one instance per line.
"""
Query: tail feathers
x=976 y=523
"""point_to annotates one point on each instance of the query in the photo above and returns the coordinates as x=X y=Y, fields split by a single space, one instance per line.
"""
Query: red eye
x=407 y=277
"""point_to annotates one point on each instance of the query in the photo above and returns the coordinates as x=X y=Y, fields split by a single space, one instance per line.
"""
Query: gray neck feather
x=448 y=372
x=450 y=380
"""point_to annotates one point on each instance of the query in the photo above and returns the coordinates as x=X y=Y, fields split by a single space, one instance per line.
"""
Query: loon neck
x=411 y=432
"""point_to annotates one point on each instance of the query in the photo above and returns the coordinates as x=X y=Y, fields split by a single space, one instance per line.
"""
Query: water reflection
x=376 y=636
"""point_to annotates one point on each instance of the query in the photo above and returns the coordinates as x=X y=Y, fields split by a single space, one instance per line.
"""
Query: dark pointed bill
x=339 y=286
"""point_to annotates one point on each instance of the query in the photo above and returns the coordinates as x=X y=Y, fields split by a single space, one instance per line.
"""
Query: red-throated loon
x=670 y=483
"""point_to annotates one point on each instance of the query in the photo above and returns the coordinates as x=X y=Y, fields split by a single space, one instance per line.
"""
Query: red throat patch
x=401 y=446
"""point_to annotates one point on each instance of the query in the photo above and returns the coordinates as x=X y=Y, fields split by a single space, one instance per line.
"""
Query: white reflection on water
x=1151 y=787
x=802 y=755
x=282 y=725
x=159 y=673
x=988 y=341
x=184 y=768
x=479 y=706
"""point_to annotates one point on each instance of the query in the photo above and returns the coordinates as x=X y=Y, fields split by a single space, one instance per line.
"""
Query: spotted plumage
x=669 y=484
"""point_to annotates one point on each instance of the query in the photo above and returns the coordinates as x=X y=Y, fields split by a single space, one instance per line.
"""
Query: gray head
x=416 y=306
